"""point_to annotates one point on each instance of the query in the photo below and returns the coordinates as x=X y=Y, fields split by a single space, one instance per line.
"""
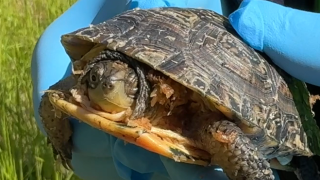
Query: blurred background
x=23 y=150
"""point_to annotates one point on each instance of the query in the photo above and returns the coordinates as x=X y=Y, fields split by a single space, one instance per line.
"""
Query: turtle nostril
x=110 y=86
x=107 y=85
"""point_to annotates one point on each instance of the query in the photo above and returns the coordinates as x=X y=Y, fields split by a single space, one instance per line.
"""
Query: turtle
x=180 y=82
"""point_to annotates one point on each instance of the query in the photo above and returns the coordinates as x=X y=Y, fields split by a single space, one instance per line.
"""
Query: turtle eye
x=93 y=78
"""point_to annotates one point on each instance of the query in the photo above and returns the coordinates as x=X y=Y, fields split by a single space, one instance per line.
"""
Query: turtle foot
x=55 y=121
x=233 y=152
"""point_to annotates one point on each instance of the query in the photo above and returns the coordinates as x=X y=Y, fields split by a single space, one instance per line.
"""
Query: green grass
x=23 y=150
x=317 y=6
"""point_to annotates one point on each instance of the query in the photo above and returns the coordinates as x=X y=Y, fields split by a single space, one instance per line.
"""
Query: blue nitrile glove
x=290 y=37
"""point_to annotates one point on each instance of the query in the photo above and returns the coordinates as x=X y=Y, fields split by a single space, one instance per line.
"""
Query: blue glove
x=97 y=155
x=290 y=37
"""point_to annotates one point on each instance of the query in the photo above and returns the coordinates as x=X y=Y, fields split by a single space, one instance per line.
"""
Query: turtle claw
x=67 y=164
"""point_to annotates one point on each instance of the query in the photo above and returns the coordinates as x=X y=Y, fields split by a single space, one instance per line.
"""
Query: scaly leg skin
x=56 y=123
x=233 y=152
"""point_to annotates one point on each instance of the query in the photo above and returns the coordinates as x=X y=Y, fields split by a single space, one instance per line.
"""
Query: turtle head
x=112 y=85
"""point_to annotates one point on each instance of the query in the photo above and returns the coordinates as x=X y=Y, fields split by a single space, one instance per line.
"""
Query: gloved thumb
x=290 y=37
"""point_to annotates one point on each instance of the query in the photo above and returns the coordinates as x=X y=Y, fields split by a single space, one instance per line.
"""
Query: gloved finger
x=97 y=148
x=183 y=171
x=288 y=36
x=97 y=168
x=214 y=5
x=137 y=158
x=110 y=9
x=102 y=168
x=49 y=61
x=90 y=143
x=92 y=156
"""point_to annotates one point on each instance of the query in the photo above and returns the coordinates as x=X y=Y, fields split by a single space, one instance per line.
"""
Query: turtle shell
x=200 y=50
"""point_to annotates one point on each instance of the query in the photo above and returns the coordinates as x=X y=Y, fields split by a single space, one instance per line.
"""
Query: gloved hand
x=288 y=36
x=97 y=155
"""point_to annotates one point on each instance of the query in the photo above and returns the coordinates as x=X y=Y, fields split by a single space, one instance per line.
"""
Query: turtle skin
x=56 y=123
x=199 y=49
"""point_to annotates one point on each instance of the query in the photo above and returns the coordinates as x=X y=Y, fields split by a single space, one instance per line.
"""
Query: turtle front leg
x=55 y=121
x=233 y=152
